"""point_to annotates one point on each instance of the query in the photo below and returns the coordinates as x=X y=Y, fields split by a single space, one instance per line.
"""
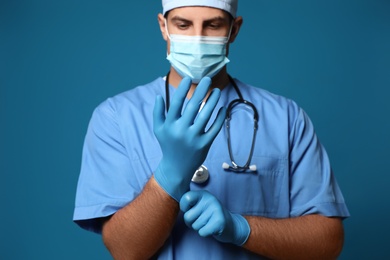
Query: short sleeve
x=104 y=184
x=314 y=189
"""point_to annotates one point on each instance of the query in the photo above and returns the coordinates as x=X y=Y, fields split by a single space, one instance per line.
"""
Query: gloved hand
x=205 y=214
x=182 y=136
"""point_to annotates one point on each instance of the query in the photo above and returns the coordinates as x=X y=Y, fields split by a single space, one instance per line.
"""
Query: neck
x=221 y=80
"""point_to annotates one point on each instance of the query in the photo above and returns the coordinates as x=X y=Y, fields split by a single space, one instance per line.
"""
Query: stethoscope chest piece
x=201 y=175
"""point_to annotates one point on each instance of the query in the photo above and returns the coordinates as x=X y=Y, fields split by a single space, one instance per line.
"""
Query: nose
x=198 y=30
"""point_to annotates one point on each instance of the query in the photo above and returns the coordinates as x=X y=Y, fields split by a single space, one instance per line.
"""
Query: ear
x=236 y=28
x=161 y=22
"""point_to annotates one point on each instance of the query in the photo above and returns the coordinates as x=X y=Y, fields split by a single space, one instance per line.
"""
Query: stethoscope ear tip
x=251 y=168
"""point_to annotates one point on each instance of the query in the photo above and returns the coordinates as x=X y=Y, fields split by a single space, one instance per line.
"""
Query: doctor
x=143 y=147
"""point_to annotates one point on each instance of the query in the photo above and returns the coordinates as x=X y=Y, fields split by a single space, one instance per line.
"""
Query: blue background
x=60 y=59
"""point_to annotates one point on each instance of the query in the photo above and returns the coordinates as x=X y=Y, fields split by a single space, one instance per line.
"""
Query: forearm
x=138 y=230
x=306 y=237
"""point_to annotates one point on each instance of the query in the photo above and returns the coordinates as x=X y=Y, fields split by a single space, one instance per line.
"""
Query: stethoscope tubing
x=235 y=167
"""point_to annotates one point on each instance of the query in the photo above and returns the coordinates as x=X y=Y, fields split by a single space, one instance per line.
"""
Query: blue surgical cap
x=229 y=6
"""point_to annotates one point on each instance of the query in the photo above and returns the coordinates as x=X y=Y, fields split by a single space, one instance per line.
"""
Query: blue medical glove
x=182 y=136
x=205 y=214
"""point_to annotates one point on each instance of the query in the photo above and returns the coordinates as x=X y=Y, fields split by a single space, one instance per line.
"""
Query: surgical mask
x=197 y=56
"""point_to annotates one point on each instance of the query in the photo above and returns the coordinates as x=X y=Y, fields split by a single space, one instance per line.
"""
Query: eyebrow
x=179 y=19
x=214 y=19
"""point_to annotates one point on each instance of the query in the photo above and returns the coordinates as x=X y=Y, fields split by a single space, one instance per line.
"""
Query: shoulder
x=276 y=111
x=138 y=97
x=267 y=100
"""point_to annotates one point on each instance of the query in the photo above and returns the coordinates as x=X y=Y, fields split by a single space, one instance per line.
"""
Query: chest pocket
x=259 y=193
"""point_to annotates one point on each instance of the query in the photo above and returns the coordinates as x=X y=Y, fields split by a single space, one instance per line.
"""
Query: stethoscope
x=202 y=174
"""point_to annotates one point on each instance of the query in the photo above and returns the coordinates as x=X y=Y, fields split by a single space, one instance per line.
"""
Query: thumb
x=190 y=199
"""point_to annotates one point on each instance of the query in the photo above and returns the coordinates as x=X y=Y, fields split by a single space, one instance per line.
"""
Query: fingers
x=158 y=113
x=203 y=213
x=213 y=131
x=214 y=226
x=191 y=112
x=192 y=108
x=193 y=203
x=178 y=99
x=208 y=109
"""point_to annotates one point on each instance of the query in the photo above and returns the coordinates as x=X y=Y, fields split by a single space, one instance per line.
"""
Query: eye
x=182 y=26
x=214 y=26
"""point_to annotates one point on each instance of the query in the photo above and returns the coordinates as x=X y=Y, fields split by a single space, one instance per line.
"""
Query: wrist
x=242 y=229
x=173 y=186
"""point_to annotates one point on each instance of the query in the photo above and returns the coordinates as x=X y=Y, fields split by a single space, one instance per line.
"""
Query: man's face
x=195 y=20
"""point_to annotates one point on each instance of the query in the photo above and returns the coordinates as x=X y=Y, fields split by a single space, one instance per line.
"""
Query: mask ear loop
x=230 y=33
x=166 y=29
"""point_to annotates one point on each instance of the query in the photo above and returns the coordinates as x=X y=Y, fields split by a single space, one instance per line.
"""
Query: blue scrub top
x=293 y=176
